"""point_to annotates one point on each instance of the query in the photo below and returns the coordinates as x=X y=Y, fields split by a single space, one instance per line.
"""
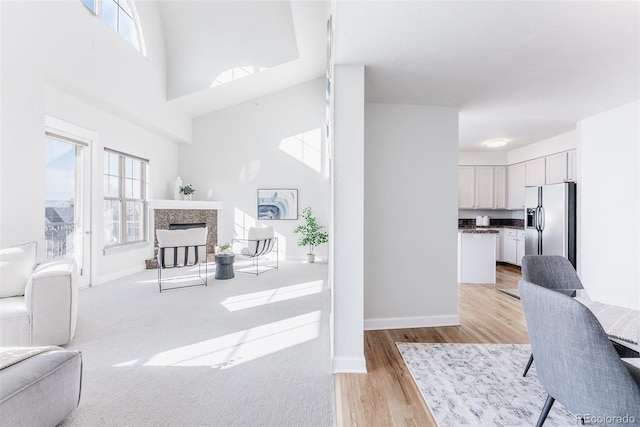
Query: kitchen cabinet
x=500 y=185
x=499 y=245
x=466 y=187
x=519 y=247
x=535 y=173
x=476 y=257
x=482 y=187
x=485 y=187
x=513 y=246
x=516 y=184
x=557 y=167
x=572 y=166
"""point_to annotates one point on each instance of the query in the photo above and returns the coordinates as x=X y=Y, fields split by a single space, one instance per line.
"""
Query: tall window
x=125 y=188
x=121 y=16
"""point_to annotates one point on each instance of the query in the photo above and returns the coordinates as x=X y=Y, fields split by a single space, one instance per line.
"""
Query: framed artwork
x=279 y=203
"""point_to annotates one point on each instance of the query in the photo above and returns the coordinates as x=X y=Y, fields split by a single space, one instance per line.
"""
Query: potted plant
x=312 y=234
x=225 y=249
x=187 y=191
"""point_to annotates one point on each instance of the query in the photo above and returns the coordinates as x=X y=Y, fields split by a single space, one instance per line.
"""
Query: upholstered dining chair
x=576 y=362
x=552 y=272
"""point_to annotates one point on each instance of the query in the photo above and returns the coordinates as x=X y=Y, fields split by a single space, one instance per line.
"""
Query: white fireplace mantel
x=185 y=204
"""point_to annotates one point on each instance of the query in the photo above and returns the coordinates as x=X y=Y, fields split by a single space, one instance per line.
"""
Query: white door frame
x=84 y=138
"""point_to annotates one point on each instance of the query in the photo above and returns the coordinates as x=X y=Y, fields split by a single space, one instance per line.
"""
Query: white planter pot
x=311 y=258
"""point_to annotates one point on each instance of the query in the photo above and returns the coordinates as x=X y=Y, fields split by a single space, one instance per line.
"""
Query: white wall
x=115 y=133
x=238 y=150
x=481 y=158
x=609 y=205
x=410 y=217
x=59 y=59
x=556 y=144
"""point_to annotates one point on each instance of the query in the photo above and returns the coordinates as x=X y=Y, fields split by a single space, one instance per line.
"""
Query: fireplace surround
x=165 y=213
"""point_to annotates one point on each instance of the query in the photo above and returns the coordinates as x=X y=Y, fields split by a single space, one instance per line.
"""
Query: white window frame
x=144 y=183
x=97 y=10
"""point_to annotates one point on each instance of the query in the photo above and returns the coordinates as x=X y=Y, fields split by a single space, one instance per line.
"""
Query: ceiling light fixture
x=496 y=143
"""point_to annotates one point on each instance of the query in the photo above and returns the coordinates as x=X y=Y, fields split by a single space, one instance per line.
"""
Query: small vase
x=311 y=258
x=176 y=194
x=188 y=196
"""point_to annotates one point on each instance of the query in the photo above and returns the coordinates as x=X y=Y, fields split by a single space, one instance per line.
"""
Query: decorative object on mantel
x=312 y=234
x=187 y=191
x=278 y=204
x=176 y=190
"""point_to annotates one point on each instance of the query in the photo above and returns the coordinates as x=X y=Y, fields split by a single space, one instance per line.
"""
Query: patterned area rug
x=480 y=384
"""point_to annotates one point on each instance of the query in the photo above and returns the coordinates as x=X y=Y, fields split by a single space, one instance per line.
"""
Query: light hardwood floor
x=387 y=395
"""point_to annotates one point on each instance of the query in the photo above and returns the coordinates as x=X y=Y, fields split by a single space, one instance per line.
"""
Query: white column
x=348 y=219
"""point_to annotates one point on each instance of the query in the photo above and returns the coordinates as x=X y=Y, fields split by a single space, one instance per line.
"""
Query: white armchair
x=38 y=302
x=261 y=242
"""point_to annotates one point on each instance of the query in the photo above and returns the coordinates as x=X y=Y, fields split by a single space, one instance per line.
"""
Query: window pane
x=114 y=187
x=128 y=188
x=132 y=168
x=114 y=164
x=112 y=222
x=110 y=13
x=91 y=5
x=137 y=189
x=134 y=222
x=124 y=4
x=127 y=30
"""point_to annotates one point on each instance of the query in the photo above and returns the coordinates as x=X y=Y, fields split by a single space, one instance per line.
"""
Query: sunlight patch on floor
x=243 y=346
x=255 y=299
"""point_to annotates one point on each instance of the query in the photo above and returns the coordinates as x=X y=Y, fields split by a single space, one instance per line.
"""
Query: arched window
x=121 y=16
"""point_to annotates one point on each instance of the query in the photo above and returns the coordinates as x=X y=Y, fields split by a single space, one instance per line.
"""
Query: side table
x=224 y=266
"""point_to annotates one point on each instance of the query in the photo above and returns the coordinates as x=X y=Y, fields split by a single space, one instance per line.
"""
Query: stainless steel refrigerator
x=550 y=220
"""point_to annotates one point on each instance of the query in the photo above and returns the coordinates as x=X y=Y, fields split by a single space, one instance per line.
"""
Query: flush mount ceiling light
x=496 y=143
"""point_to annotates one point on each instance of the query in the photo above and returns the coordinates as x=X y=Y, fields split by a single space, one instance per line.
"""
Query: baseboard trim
x=410 y=322
x=349 y=365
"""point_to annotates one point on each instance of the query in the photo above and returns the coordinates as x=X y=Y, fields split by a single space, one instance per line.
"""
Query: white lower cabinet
x=513 y=246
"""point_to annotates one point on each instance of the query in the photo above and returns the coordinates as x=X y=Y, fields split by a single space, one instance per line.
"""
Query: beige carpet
x=249 y=351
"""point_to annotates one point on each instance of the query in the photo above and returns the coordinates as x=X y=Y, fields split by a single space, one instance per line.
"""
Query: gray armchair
x=575 y=361
x=551 y=272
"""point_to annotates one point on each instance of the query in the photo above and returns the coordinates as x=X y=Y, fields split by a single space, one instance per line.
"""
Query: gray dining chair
x=551 y=272
x=576 y=362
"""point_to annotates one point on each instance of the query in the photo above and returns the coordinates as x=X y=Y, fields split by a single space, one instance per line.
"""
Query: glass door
x=67 y=202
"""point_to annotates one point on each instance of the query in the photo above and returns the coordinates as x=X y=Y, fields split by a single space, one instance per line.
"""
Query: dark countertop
x=486 y=230
x=479 y=230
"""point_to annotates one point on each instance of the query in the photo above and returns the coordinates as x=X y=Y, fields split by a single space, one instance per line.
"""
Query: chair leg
x=528 y=365
x=545 y=410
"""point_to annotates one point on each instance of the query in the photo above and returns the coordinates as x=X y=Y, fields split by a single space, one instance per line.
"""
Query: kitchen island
x=477 y=255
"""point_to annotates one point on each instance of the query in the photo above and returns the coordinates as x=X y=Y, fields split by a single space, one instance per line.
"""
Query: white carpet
x=480 y=384
x=249 y=351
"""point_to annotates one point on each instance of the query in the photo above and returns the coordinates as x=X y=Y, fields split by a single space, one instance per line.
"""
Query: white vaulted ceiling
x=205 y=38
x=520 y=70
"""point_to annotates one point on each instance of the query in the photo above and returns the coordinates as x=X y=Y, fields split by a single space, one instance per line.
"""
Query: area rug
x=480 y=384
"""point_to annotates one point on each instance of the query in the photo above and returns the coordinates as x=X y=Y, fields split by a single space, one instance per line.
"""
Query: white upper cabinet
x=535 y=172
x=485 y=187
x=572 y=166
x=516 y=180
x=466 y=187
x=481 y=187
x=557 y=168
x=500 y=198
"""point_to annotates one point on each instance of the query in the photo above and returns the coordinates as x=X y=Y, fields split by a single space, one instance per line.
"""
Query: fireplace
x=180 y=214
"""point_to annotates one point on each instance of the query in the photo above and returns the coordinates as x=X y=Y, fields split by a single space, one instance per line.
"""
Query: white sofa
x=38 y=302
